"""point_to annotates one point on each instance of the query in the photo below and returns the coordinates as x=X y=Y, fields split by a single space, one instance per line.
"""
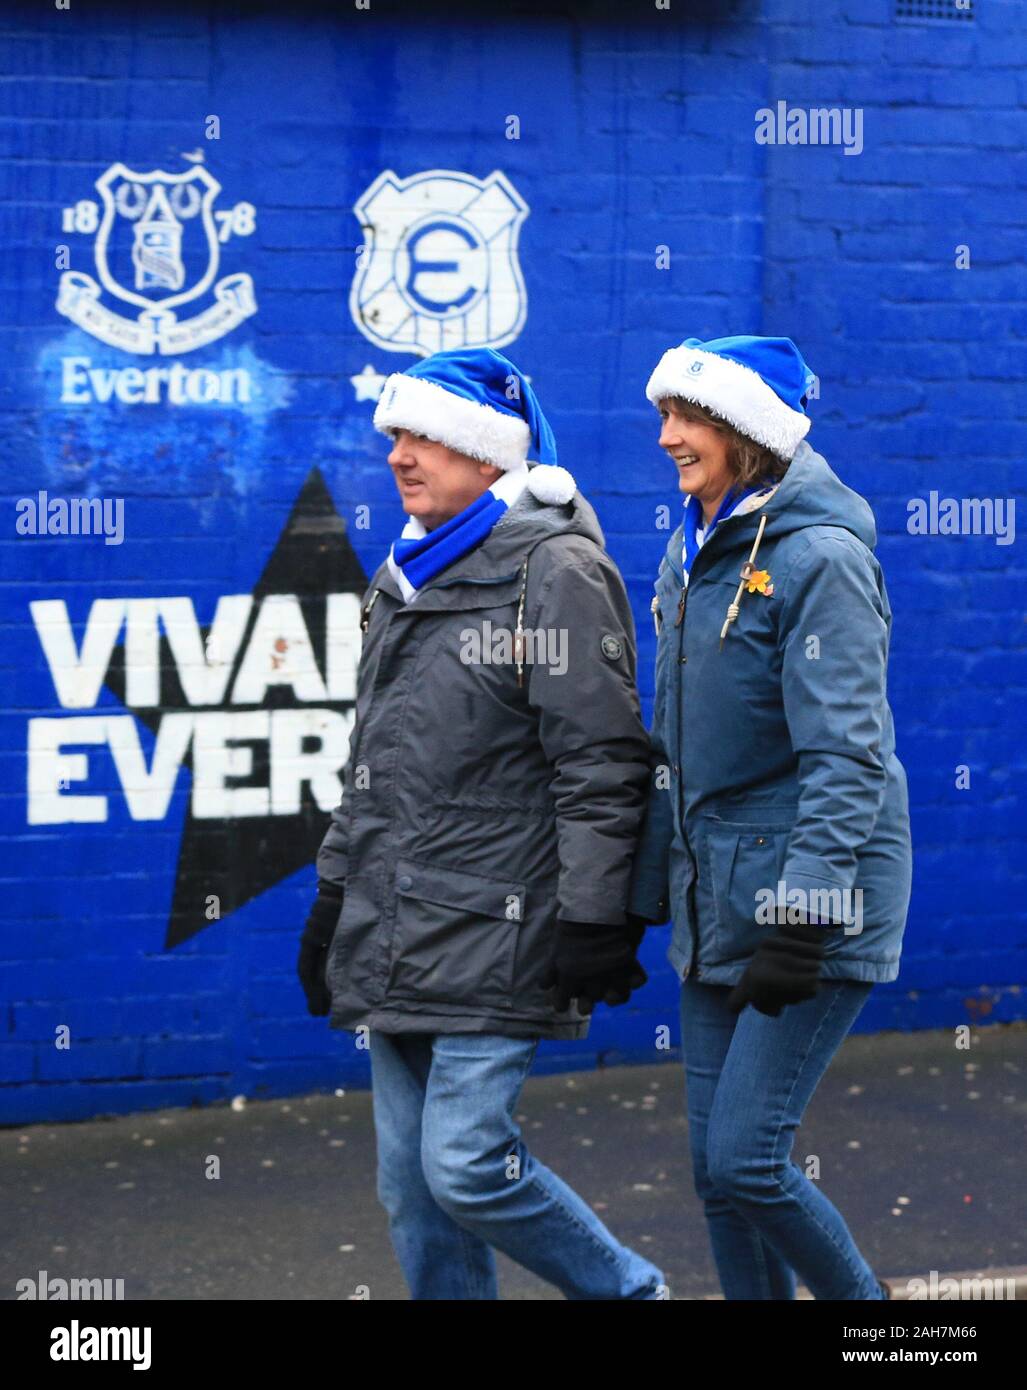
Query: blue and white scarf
x=695 y=535
x=419 y=555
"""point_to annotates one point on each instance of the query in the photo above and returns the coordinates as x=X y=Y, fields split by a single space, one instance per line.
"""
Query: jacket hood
x=528 y=522
x=812 y=494
x=528 y=517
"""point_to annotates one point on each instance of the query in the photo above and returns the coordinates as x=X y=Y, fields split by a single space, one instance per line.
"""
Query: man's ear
x=490 y=472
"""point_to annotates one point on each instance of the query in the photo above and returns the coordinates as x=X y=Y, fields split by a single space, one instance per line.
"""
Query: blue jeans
x=456 y=1180
x=749 y=1079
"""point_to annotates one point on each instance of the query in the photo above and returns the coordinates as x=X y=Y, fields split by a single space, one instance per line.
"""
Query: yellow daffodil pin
x=759 y=583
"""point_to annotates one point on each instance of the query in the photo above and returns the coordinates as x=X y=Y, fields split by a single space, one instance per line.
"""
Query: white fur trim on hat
x=548 y=482
x=736 y=393
x=413 y=403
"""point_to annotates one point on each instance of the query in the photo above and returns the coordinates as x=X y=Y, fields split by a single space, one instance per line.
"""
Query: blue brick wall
x=631 y=138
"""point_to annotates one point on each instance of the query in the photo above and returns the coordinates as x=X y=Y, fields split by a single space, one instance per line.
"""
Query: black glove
x=638 y=926
x=785 y=969
x=593 y=962
x=314 y=944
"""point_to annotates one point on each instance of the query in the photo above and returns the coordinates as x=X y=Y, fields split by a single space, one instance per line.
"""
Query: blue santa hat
x=474 y=400
x=759 y=385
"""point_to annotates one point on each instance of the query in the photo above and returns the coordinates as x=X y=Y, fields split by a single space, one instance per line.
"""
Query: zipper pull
x=681 y=607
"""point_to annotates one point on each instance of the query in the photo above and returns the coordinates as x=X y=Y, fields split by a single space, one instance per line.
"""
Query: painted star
x=367 y=385
x=239 y=858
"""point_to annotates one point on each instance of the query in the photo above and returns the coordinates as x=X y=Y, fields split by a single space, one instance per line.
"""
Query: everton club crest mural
x=148 y=229
x=439 y=266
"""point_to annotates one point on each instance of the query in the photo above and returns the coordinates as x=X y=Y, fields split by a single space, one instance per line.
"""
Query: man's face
x=434 y=482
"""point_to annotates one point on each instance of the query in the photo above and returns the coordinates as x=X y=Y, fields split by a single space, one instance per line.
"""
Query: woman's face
x=700 y=452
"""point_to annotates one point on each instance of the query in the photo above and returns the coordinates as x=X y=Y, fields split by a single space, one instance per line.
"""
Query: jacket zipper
x=682 y=602
x=677 y=623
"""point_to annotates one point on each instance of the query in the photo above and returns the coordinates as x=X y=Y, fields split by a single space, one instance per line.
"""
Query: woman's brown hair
x=750 y=463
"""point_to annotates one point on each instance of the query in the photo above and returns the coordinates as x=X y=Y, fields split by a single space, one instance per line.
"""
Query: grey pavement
x=921 y=1146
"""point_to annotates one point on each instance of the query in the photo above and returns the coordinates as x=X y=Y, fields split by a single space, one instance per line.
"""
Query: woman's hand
x=784 y=970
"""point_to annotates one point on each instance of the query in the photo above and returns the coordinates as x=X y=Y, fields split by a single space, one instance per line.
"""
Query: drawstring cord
x=365 y=618
x=365 y=612
x=747 y=568
x=519 y=630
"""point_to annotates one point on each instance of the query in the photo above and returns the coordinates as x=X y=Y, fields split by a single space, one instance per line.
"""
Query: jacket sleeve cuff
x=654 y=910
x=823 y=901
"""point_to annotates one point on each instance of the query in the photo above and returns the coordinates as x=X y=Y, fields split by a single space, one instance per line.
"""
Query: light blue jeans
x=456 y=1179
x=749 y=1079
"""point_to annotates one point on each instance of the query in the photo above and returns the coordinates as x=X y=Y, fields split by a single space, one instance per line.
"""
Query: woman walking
x=777 y=830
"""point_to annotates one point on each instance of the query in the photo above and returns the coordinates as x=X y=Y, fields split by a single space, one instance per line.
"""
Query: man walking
x=473 y=879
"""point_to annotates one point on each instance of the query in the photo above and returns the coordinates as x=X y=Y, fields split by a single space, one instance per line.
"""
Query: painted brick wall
x=266 y=481
x=923 y=369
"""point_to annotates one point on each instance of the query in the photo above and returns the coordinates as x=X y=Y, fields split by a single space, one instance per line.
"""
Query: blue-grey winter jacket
x=779 y=747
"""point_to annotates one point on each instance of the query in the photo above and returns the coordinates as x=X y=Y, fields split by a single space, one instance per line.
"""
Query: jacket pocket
x=455 y=938
x=743 y=864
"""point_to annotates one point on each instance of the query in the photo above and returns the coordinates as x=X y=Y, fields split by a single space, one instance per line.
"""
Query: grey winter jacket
x=477 y=809
x=780 y=746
